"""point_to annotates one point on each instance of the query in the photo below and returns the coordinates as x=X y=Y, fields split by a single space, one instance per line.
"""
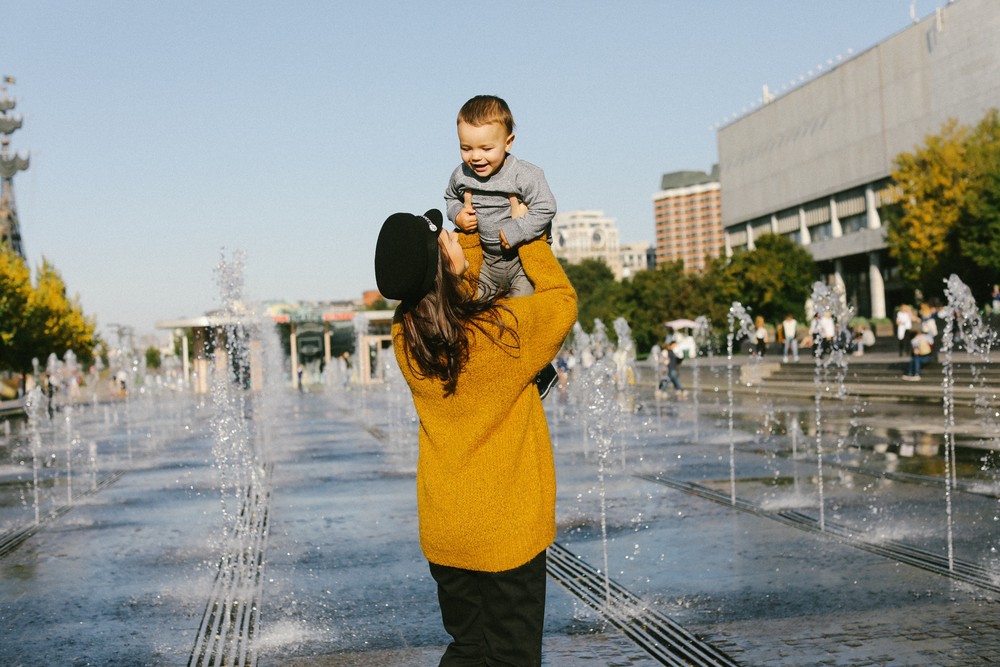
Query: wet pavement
x=729 y=536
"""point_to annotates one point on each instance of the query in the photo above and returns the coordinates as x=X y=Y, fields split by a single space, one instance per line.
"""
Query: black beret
x=406 y=255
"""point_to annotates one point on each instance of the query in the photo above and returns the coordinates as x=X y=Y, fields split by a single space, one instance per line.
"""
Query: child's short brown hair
x=484 y=109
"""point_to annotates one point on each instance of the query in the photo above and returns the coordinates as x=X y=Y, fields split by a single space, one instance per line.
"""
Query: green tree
x=598 y=295
x=773 y=279
x=153 y=357
x=979 y=224
x=650 y=298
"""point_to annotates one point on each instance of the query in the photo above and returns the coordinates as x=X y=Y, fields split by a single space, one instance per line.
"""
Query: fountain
x=740 y=327
x=962 y=324
x=269 y=526
x=830 y=352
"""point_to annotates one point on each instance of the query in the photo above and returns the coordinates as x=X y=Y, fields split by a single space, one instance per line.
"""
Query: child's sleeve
x=533 y=190
x=454 y=196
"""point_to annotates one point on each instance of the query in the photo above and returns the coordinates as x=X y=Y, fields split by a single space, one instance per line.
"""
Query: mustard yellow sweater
x=486 y=483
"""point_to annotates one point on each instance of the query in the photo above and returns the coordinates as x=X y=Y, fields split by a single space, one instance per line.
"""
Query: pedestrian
x=996 y=298
x=789 y=328
x=485 y=472
x=828 y=332
x=760 y=337
x=904 y=326
x=921 y=346
x=673 y=363
x=928 y=325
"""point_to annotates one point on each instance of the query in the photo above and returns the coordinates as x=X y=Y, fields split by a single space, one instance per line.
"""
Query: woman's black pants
x=494 y=618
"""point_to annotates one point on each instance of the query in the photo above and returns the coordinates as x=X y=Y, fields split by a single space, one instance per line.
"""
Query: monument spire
x=10 y=164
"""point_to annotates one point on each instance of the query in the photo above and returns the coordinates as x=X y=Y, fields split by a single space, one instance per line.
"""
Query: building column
x=836 y=230
x=838 y=277
x=326 y=344
x=200 y=360
x=874 y=221
x=805 y=238
x=750 y=244
x=293 y=353
x=877 y=286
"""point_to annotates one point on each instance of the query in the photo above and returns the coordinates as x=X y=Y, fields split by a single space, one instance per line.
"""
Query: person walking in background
x=828 y=332
x=928 y=325
x=759 y=337
x=904 y=325
x=486 y=482
x=673 y=363
x=789 y=329
x=921 y=346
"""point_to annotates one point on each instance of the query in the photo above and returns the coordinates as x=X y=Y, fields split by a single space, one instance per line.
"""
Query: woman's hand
x=518 y=209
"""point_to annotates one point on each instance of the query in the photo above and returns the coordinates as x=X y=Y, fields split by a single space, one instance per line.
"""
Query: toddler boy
x=478 y=194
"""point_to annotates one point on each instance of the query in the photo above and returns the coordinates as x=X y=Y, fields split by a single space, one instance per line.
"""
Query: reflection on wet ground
x=766 y=544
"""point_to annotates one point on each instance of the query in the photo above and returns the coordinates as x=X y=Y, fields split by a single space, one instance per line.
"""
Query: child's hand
x=518 y=209
x=466 y=219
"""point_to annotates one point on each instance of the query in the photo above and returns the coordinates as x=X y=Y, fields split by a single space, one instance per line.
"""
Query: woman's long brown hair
x=436 y=333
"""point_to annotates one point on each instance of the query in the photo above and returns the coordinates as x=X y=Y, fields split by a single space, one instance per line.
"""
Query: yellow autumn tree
x=38 y=320
x=15 y=291
x=933 y=180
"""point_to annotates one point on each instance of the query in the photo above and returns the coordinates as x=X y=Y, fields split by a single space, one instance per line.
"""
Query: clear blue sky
x=164 y=132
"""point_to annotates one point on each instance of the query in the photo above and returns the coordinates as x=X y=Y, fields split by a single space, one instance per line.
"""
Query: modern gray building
x=815 y=163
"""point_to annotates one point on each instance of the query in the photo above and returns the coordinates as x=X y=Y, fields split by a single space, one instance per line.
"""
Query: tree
x=651 y=298
x=153 y=357
x=15 y=291
x=979 y=225
x=933 y=181
x=598 y=295
x=39 y=320
x=773 y=279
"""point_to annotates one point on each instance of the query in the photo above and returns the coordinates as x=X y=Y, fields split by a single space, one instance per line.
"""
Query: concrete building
x=580 y=235
x=815 y=163
x=639 y=256
x=688 y=218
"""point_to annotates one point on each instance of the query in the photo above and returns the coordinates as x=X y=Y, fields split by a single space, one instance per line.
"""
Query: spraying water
x=740 y=327
x=828 y=352
x=962 y=323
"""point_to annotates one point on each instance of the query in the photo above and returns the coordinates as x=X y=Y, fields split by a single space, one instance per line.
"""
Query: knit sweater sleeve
x=473 y=250
x=453 y=195
x=546 y=316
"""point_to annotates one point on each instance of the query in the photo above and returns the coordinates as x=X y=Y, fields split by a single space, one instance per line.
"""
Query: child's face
x=484 y=147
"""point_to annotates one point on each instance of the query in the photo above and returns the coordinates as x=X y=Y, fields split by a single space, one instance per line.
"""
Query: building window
x=821 y=232
x=854 y=223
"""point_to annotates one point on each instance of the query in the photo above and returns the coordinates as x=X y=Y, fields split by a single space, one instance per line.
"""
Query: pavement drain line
x=661 y=638
x=15 y=537
x=971 y=573
x=225 y=636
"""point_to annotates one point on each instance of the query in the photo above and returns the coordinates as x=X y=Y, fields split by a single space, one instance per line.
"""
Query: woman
x=485 y=472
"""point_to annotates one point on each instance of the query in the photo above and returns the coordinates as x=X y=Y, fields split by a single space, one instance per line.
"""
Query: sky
x=168 y=136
